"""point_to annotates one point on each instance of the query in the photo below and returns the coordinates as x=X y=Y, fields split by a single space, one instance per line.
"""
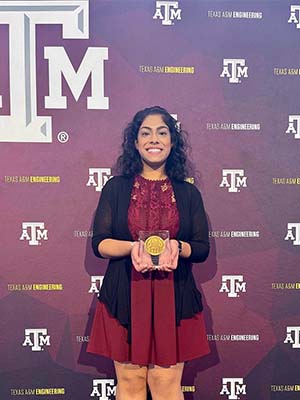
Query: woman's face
x=154 y=141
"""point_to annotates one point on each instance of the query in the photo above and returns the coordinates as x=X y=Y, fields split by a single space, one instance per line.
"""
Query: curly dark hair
x=129 y=163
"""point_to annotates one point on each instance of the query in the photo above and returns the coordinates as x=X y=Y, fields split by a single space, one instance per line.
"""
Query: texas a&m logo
x=234 y=69
x=103 y=389
x=36 y=339
x=34 y=232
x=294 y=126
x=167 y=11
x=232 y=285
x=98 y=178
x=294 y=16
x=23 y=124
x=233 y=179
x=233 y=387
x=96 y=283
x=293 y=336
x=293 y=233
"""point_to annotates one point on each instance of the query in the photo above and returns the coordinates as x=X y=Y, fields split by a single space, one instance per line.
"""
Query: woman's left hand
x=173 y=257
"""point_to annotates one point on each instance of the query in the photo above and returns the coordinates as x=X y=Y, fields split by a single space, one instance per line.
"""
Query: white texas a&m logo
x=94 y=280
x=294 y=16
x=234 y=69
x=23 y=124
x=293 y=336
x=233 y=387
x=233 y=179
x=36 y=339
x=293 y=233
x=103 y=389
x=34 y=232
x=178 y=123
x=98 y=177
x=294 y=126
x=232 y=285
x=167 y=11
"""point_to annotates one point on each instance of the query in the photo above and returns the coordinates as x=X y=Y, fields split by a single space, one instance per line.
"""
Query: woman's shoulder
x=187 y=187
x=116 y=182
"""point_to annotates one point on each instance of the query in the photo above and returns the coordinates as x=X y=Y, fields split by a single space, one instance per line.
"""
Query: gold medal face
x=154 y=245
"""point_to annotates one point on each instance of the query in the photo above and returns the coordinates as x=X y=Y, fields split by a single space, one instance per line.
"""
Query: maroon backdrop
x=72 y=74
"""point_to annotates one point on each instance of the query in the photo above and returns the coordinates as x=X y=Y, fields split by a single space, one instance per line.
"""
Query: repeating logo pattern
x=103 y=389
x=233 y=387
x=167 y=12
x=52 y=37
x=96 y=283
x=34 y=232
x=234 y=69
x=293 y=233
x=98 y=178
x=294 y=126
x=233 y=285
x=36 y=338
x=294 y=16
x=293 y=336
x=233 y=179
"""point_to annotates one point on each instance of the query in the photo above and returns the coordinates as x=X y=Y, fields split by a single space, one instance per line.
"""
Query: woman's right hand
x=136 y=260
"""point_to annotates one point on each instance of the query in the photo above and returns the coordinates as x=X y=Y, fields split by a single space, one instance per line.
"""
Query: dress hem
x=135 y=362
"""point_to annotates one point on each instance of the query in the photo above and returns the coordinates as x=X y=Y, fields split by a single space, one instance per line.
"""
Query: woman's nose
x=154 y=138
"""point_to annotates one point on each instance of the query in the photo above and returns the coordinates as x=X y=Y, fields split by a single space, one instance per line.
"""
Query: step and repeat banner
x=72 y=75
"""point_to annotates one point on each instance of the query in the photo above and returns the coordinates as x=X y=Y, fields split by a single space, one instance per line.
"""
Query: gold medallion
x=154 y=245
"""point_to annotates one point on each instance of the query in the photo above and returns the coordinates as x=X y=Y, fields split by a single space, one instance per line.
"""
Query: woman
x=149 y=319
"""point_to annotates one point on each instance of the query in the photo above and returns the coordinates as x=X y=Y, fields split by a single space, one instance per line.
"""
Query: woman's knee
x=163 y=383
x=131 y=378
x=165 y=379
x=132 y=382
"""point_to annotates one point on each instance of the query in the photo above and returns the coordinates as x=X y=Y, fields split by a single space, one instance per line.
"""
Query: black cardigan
x=111 y=222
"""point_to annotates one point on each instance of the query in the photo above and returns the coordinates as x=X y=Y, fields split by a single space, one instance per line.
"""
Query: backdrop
x=72 y=75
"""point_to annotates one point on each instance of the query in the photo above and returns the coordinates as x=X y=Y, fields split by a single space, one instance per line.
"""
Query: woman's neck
x=153 y=174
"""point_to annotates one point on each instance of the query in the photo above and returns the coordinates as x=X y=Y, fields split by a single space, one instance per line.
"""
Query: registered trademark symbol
x=63 y=137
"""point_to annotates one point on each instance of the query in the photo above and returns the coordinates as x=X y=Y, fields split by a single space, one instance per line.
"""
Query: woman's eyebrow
x=159 y=127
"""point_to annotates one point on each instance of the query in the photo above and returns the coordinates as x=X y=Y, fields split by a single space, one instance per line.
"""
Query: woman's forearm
x=111 y=248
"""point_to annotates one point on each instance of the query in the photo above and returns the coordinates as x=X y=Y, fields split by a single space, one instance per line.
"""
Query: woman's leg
x=132 y=381
x=165 y=382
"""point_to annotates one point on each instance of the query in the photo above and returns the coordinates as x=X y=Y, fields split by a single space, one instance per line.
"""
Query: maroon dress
x=155 y=338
